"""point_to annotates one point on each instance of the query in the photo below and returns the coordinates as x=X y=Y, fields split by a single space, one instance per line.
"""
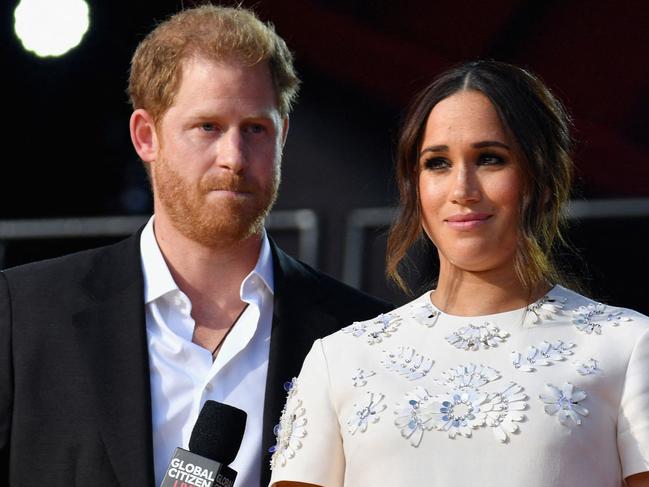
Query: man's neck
x=210 y=277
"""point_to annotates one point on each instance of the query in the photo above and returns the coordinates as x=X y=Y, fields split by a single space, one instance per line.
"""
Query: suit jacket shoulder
x=298 y=278
x=75 y=407
x=91 y=272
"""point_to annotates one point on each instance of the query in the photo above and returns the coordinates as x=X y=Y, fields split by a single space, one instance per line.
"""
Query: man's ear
x=144 y=135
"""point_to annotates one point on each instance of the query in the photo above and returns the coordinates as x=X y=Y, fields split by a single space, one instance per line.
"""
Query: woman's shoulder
x=593 y=316
x=383 y=325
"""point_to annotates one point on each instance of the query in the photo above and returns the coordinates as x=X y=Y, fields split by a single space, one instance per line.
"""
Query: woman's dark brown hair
x=540 y=127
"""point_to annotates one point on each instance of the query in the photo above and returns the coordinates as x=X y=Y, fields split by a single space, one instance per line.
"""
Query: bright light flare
x=51 y=27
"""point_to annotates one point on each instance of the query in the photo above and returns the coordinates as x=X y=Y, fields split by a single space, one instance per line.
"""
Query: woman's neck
x=467 y=293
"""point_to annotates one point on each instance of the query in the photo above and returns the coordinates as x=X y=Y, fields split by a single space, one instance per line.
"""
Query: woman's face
x=469 y=185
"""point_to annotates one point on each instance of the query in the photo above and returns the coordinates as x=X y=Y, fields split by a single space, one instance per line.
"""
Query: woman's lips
x=467 y=221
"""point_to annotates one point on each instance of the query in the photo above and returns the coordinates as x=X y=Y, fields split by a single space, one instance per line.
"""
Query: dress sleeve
x=633 y=420
x=309 y=445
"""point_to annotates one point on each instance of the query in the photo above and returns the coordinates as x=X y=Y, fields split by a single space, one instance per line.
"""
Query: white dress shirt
x=183 y=375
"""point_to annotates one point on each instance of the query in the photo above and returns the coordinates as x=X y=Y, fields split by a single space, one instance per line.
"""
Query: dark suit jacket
x=75 y=405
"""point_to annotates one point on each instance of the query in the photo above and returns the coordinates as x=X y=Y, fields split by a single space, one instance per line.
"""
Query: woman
x=499 y=376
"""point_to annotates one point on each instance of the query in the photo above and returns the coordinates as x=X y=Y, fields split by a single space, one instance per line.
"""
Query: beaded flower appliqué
x=463 y=407
x=590 y=318
x=424 y=314
x=546 y=308
x=471 y=375
x=414 y=415
x=360 y=377
x=366 y=412
x=543 y=354
x=291 y=428
x=381 y=327
x=475 y=337
x=407 y=363
x=505 y=412
x=564 y=402
x=587 y=368
x=466 y=406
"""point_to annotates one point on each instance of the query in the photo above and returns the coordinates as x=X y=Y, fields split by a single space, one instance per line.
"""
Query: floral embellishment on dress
x=407 y=363
x=290 y=387
x=465 y=406
x=475 y=337
x=543 y=354
x=471 y=375
x=504 y=412
x=459 y=412
x=546 y=308
x=414 y=415
x=366 y=412
x=360 y=377
x=588 y=367
x=425 y=314
x=291 y=428
x=590 y=318
x=564 y=402
x=383 y=326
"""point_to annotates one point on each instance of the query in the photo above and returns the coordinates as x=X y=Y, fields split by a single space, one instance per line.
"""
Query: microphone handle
x=188 y=469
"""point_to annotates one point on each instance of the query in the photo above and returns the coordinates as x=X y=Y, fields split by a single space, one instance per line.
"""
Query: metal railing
x=361 y=220
x=304 y=221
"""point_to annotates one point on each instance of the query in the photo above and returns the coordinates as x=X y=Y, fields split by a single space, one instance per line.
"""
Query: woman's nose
x=465 y=186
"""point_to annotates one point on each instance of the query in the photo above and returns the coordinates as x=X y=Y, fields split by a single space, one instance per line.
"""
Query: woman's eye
x=436 y=163
x=491 y=160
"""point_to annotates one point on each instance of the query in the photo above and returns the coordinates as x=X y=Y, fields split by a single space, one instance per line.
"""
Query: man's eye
x=436 y=163
x=256 y=129
x=208 y=127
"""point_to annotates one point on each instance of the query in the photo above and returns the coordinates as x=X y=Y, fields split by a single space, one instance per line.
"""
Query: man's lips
x=467 y=221
x=238 y=190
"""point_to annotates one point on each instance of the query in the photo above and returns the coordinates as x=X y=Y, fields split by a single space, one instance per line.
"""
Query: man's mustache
x=233 y=183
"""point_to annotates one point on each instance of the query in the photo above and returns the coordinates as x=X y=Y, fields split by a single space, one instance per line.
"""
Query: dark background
x=67 y=150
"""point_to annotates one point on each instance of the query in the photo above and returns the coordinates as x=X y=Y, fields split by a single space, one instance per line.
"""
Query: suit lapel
x=112 y=334
x=297 y=320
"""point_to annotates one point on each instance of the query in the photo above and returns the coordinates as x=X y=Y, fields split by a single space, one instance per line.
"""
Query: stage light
x=51 y=27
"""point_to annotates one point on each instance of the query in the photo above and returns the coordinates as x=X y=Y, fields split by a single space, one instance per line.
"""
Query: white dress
x=555 y=394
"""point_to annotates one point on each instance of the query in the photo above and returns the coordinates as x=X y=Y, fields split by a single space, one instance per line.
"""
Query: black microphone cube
x=187 y=469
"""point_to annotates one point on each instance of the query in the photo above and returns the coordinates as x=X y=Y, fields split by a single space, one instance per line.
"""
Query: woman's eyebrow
x=435 y=148
x=490 y=143
x=476 y=145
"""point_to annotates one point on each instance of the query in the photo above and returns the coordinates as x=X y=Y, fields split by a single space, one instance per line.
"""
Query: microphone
x=213 y=445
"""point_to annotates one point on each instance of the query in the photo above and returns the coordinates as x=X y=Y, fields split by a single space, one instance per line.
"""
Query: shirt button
x=208 y=387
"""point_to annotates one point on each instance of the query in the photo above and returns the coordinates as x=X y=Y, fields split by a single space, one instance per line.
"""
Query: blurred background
x=71 y=180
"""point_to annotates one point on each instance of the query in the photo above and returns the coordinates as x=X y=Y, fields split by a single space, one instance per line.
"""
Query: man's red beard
x=222 y=221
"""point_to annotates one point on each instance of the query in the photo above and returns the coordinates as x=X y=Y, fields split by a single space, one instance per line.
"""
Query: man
x=106 y=356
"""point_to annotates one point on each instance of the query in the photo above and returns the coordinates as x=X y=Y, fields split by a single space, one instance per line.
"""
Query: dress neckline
x=546 y=298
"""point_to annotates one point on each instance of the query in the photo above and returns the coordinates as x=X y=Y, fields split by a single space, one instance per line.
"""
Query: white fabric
x=321 y=439
x=183 y=375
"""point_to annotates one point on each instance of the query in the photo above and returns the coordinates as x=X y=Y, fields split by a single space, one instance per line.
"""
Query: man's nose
x=231 y=150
